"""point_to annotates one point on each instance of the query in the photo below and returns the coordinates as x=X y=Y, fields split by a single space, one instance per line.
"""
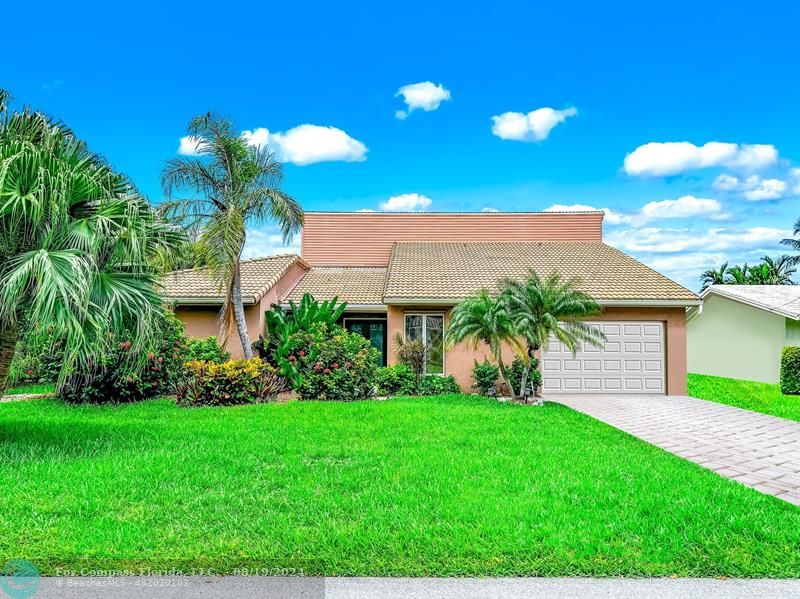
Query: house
x=403 y=273
x=739 y=330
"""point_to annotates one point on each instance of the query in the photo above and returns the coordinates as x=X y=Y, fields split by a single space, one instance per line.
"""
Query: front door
x=373 y=329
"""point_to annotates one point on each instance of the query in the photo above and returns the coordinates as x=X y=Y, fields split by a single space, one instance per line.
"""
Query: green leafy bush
x=434 y=384
x=790 y=370
x=230 y=383
x=395 y=380
x=334 y=364
x=485 y=375
x=127 y=373
x=206 y=350
x=38 y=357
x=283 y=326
x=515 y=373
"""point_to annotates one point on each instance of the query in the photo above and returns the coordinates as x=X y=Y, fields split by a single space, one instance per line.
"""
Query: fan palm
x=794 y=244
x=235 y=185
x=75 y=240
x=714 y=276
x=551 y=307
x=482 y=318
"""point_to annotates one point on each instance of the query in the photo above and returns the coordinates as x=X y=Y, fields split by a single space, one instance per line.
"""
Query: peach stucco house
x=404 y=273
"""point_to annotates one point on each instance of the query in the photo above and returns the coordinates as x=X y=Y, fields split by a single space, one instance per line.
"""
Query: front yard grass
x=29 y=388
x=759 y=397
x=446 y=486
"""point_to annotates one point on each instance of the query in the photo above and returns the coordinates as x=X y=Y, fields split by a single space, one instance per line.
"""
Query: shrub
x=38 y=357
x=127 y=373
x=335 y=364
x=230 y=383
x=515 y=374
x=790 y=370
x=284 y=325
x=395 y=380
x=206 y=350
x=485 y=375
x=411 y=353
x=434 y=384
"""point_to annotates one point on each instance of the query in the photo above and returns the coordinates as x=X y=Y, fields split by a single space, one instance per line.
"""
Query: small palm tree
x=776 y=271
x=482 y=318
x=739 y=275
x=794 y=244
x=234 y=185
x=550 y=307
x=76 y=241
x=714 y=276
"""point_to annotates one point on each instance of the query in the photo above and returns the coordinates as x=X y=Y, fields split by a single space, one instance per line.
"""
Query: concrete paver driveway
x=754 y=449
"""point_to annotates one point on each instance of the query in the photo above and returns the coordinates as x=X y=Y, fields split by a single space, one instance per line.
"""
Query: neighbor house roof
x=355 y=285
x=196 y=285
x=449 y=271
x=780 y=299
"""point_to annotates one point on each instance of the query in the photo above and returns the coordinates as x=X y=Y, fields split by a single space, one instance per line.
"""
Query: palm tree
x=482 y=318
x=235 y=185
x=776 y=272
x=714 y=276
x=794 y=244
x=739 y=275
x=75 y=243
x=550 y=307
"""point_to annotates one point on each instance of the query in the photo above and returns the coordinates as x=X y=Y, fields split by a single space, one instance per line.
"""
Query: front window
x=430 y=329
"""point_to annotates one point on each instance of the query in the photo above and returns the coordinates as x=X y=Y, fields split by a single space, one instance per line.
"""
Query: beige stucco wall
x=737 y=341
x=202 y=321
x=459 y=360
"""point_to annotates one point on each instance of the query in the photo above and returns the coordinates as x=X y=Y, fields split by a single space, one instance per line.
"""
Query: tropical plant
x=714 y=276
x=279 y=346
x=794 y=243
x=541 y=308
x=206 y=350
x=398 y=379
x=230 y=383
x=412 y=353
x=770 y=271
x=76 y=240
x=235 y=185
x=482 y=318
x=436 y=384
x=485 y=376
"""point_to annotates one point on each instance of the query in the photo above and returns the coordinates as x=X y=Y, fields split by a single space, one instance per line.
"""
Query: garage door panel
x=631 y=361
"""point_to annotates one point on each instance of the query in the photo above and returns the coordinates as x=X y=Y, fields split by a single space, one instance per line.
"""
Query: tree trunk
x=238 y=315
x=504 y=375
x=8 y=342
x=526 y=371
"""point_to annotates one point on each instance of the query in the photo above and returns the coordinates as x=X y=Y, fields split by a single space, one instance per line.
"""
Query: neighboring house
x=739 y=330
x=402 y=273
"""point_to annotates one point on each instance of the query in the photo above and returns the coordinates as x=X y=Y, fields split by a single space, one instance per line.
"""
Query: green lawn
x=29 y=389
x=448 y=486
x=760 y=397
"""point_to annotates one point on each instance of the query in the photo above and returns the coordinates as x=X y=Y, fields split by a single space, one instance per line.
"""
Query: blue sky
x=680 y=121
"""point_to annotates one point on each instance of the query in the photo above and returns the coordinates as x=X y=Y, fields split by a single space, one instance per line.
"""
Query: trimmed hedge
x=395 y=380
x=790 y=370
x=435 y=384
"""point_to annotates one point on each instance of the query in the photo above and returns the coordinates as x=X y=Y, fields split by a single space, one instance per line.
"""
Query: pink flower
x=150 y=356
x=327 y=371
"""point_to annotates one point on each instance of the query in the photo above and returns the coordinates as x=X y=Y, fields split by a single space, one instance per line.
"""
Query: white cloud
x=365 y=210
x=489 y=209
x=268 y=243
x=534 y=126
x=657 y=240
x=611 y=217
x=671 y=158
x=407 y=202
x=753 y=188
x=307 y=144
x=684 y=207
x=188 y=145
x=424 y=95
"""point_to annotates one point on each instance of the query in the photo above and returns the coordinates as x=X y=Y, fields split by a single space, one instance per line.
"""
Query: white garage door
x=632 y=361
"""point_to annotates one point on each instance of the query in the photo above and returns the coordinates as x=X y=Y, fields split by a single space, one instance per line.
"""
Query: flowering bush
x=396 y=380
x=234 y=382
x=38 y=356
x=127 y=373
x=335 y=365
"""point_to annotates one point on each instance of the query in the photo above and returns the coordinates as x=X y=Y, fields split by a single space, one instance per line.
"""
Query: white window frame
x=424 y=336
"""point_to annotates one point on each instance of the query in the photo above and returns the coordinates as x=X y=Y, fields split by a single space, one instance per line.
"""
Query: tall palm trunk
x=504 y=374
x=8 y=342
x=527 y=370
x=238 y=314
